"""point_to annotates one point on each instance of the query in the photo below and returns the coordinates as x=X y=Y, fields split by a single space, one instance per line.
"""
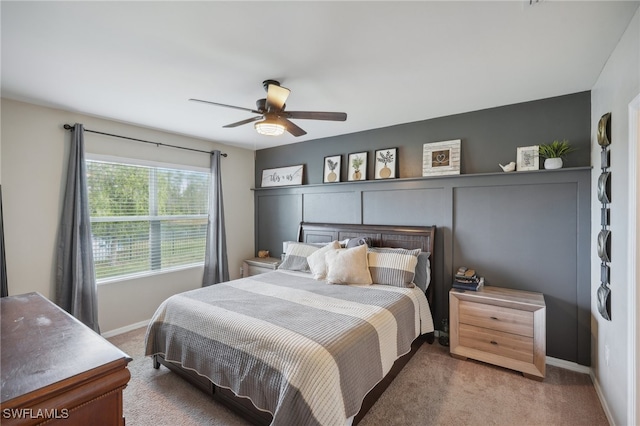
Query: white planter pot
x=553 y=163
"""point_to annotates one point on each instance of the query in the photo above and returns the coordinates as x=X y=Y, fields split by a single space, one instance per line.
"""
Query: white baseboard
x=125 y=329
x=568 y=365
x=603 y=401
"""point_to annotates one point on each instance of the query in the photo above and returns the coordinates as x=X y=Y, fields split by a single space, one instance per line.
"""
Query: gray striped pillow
x=393 y=266
x=296 y=257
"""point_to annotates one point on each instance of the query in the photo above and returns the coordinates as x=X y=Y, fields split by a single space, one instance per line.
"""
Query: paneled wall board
x=422 y=207
x=277 y=219
x=336 y=207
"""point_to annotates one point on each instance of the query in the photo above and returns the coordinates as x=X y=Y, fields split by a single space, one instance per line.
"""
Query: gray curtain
x=76 y=290
x=216 y=267
x=4 y=292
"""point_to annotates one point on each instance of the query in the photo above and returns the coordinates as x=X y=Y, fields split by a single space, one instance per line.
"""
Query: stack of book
x=467 y=279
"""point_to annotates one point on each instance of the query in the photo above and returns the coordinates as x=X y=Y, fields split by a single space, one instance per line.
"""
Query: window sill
x=131 y=277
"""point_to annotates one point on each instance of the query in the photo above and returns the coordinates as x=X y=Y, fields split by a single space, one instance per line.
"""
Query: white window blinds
x=145 y=219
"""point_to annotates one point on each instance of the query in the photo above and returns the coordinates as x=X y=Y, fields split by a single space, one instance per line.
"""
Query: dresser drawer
x=496 y=318
x=496 y=342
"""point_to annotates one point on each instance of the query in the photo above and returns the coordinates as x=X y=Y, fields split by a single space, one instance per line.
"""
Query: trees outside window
x=145 y=219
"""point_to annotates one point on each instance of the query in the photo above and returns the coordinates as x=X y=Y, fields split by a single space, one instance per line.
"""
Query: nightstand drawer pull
x=494 y=318
x=493 y=342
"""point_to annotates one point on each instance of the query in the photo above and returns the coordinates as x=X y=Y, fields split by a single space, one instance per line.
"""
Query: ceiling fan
x=274 y=120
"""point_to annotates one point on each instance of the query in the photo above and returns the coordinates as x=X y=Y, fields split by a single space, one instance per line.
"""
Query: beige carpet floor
x=433 y=389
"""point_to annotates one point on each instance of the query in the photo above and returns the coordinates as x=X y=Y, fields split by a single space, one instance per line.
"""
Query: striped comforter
x=306 y=351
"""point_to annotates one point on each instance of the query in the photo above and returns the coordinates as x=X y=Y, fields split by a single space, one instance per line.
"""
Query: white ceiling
x=383 y=63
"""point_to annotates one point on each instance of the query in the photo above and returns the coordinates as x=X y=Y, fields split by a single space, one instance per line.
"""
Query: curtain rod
x=70 y=127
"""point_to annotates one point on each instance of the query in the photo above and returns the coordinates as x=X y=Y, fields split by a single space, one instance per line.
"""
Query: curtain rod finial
x=68 y=127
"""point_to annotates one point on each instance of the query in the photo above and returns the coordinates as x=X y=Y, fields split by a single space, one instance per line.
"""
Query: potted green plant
x=356 y=163
x=554 y=152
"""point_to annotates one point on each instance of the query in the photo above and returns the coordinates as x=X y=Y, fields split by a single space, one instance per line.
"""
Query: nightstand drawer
x=496 y=342
x=259 y=265
x=252 y=270
x=496 y=318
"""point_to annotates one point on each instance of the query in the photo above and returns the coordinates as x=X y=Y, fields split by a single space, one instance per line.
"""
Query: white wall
x=34 y=156
x=616 y=87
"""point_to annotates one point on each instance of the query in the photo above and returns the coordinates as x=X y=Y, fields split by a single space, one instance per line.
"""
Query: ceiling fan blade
x=247 y=121
x=277 y=96
x=291 y=128
x=227 y=106
x=316 y=115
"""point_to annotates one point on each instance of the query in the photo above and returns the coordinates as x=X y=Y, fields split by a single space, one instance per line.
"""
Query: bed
x=286 y=347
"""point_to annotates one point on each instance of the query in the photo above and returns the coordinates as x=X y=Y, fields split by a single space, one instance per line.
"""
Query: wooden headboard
x=408 y=237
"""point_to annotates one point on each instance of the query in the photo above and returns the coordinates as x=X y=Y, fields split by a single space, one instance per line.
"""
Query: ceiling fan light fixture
x=269 y=127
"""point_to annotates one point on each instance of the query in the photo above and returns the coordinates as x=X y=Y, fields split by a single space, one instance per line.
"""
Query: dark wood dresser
x=55 y=369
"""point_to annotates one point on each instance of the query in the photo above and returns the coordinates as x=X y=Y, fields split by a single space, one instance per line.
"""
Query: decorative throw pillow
x=296 y=256
x=358 y=241
x=392 y=266
x=316 y=260
x=423 y=271
x=348 y=266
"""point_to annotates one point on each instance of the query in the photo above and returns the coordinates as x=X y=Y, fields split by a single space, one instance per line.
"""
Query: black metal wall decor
x=604 y=236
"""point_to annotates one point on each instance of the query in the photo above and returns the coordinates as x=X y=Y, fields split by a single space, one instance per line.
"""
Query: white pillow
x=316 y=260
x=348 y=266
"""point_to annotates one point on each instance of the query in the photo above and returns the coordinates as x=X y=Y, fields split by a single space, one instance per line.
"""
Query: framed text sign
x=282 y=176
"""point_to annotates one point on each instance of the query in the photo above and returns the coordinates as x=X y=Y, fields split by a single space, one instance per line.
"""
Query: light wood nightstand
x=500 y=326
x=259 y=265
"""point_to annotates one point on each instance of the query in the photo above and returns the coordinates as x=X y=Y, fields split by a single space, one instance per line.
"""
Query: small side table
x=259 y=265
x=500 y=326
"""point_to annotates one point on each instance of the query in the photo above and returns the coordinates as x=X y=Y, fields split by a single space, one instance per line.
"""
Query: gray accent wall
x=522 y=230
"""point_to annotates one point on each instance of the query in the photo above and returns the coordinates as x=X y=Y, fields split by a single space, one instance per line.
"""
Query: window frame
x=150 y=218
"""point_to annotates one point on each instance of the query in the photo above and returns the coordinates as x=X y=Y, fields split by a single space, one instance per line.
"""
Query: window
x=145 y=219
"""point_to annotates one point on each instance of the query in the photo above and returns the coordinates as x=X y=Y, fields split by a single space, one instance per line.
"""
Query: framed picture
x=281 y=176
x=386 y=163
x=441 y=158
x=357 y=166
x=332 y=168
x=528 y=158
